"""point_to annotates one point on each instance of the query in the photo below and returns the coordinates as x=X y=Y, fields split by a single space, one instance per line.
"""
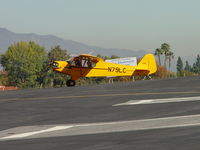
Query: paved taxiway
x=138 y=115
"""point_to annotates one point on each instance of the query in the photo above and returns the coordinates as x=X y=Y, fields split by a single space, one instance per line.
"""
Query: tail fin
x=146 y=66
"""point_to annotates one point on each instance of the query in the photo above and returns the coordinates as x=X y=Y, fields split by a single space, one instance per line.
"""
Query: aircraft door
x=87 y=65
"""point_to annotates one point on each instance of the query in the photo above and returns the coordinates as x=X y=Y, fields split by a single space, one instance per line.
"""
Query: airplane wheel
x=71 y=83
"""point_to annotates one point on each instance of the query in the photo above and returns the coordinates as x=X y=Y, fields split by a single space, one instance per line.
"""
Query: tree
x=187 y=66
x=158 y=52
x=196 y=65
x=179 y=66
x=56 y=53
x=114 y=57
x=99 y=55
x=24 y=61
x=106 y=57
x=3 y=78
x=170 y=56
x=165 y=48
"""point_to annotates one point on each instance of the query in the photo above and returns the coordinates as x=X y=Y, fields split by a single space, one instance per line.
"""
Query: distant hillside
x=7 y=38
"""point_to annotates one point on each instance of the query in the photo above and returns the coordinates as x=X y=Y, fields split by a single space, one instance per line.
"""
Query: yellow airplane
x=86 y=65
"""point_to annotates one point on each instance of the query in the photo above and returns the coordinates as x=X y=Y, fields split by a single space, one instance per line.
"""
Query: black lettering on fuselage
x=124 y=70
x=117 y=69
x=110 y=69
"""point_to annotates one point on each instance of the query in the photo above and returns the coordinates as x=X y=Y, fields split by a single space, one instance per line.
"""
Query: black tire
x=71 y=83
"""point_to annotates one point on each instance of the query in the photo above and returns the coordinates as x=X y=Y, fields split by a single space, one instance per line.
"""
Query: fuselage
x=101 y=69
x=92 y=66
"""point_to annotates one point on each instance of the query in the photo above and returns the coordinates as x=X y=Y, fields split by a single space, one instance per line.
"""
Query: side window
x=93 y=64
x=83 y=62
x=87 y=62
x=76 y=62
x=72 y=63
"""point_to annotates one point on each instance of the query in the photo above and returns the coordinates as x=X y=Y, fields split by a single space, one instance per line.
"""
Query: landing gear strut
x=71 y=83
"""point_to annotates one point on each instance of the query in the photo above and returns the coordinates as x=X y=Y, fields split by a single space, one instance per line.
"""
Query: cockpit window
x=82 y=62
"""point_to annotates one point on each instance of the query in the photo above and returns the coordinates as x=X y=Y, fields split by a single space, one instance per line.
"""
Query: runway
x=160 y=114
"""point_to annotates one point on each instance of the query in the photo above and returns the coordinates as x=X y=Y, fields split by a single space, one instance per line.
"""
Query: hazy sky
x=130 y=24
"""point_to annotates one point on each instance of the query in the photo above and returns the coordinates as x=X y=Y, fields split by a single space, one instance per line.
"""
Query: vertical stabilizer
x=146 y=66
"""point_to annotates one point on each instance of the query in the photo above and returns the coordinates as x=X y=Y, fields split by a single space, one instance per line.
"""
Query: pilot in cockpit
x=77 y=62
x=89 y=63
x=81 y=62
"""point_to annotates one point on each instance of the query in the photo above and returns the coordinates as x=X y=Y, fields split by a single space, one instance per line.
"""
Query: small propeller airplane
x=86 y=65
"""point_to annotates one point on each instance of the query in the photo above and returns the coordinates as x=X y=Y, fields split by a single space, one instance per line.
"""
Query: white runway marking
x=101 y=127
x=158 y=101
x=22 y=135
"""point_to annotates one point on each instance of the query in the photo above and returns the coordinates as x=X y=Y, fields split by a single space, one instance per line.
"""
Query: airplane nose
x=58 y=65
x=55 y=64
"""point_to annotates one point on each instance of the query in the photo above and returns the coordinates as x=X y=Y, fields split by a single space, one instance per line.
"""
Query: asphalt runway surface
x=144 y=115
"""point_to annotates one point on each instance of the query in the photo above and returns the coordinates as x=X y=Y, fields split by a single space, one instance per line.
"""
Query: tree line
x=183 y=69
x=165 y=50
x=186 y=69
x=28 y=65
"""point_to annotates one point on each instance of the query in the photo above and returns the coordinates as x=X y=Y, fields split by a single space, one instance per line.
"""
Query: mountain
x=7 y=38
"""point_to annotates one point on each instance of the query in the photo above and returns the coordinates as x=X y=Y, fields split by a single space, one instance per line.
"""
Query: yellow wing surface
x=91 y=66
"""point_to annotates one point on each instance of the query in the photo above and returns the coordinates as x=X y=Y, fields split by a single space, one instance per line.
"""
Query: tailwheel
x=71 y=83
